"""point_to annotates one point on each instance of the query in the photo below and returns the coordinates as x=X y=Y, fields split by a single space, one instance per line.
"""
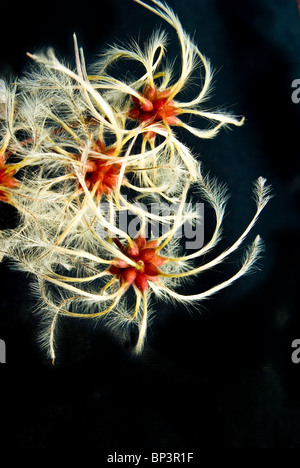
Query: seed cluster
x=82 y=148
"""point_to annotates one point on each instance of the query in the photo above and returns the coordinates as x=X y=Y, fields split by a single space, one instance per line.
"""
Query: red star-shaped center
x=101 y=171
x=144 y=254
x=154 y=106
x=6 y=179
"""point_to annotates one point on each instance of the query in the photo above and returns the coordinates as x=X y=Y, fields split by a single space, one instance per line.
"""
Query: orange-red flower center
x=155 y=106
x=144 y=254
x=101 y=171
x=6 y=179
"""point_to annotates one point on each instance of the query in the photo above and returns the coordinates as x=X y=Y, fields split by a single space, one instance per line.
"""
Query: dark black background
x=221 y=376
